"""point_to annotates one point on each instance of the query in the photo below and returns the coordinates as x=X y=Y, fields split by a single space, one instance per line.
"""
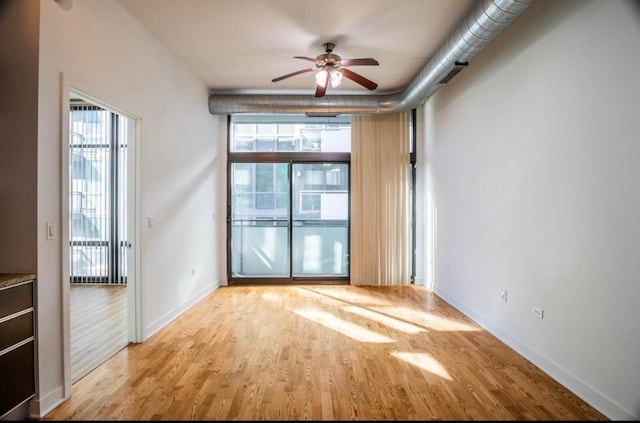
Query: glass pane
x=267 y=129
x=91 y=192
x=264 y=177
x=260 y=230
x=282 y=178
x=295 y=136
x=244 y=144
x=243 y=201
x=320 y=219
x=243 y=177
x=265 y=201
x=282 y=201
x=245 y=130
x=286 y=144
x=265 y=144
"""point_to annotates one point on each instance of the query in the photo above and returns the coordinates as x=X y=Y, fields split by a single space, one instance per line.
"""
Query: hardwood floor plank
x=321 y=353
x=98 y=325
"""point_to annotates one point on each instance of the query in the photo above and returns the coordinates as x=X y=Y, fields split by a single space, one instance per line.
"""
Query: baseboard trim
x=43 y=405
x=154 y=327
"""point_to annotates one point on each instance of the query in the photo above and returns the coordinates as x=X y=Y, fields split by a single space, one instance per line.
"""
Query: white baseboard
x=42 y=405
x=177 y=311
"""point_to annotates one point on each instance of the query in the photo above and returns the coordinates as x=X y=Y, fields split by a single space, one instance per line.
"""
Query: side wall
x=533 y=166
x=104 y=52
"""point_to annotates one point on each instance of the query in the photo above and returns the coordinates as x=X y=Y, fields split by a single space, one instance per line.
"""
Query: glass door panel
x=260 y=220
x=320 y=217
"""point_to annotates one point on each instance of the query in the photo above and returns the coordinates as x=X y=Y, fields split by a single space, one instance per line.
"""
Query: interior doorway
x=101 y=222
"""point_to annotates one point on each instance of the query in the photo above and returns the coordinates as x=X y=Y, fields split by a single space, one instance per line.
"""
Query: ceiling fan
x=331 y=69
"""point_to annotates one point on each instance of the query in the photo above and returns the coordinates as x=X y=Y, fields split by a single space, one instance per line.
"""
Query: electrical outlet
x=503 y=295
x=537 y=312
x=194 y=271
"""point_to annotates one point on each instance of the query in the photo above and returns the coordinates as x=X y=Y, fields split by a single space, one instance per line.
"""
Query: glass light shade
x=336 y=78
x=321 y=78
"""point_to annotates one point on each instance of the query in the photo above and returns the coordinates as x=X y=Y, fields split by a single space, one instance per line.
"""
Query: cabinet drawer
x=18 y=378
x=15 y=330
x=16 y=298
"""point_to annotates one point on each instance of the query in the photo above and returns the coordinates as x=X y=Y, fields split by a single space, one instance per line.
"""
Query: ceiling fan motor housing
x=328 y=59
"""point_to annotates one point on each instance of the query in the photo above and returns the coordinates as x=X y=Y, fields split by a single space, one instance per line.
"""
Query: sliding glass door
x=270 y=239
x=320 y=242
x=260 y=224
x=288 y=203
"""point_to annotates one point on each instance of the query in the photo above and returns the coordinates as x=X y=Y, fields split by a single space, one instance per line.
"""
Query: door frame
x=70 y=88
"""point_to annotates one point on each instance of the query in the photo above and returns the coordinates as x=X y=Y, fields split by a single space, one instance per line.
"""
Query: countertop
x=9 y=279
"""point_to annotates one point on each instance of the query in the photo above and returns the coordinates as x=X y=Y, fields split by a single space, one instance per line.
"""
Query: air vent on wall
x=457 y=68
x=321 y=114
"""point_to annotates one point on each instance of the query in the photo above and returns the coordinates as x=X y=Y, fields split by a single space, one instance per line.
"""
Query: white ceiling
x=241 y=45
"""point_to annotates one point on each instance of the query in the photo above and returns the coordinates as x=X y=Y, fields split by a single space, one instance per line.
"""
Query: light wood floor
x=98 y=325
x=322 y=353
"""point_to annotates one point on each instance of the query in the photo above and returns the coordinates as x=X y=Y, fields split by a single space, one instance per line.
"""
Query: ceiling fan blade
x=292 y=74
x=358 y=62
x=370 y=85
x=321 y=90
x=304 y=58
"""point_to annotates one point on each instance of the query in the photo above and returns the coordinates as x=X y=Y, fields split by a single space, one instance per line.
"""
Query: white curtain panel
x=380 y=178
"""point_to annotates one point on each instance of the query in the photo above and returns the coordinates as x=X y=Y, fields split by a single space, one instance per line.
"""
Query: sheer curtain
x=380 y=177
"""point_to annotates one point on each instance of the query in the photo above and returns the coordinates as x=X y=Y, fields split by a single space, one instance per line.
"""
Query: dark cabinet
x=17 y=345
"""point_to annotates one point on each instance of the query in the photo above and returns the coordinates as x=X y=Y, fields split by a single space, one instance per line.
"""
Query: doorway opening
x=100 y=204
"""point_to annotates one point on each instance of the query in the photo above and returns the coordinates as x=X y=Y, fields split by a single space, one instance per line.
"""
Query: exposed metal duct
x=487 y=19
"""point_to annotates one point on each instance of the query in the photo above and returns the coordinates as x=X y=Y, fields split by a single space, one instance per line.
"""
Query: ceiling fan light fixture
x=336 y=78
x=321 y=77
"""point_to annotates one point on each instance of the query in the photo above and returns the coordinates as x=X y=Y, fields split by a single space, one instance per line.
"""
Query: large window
x=287 y=134
x=97 y=203
x=288 y=198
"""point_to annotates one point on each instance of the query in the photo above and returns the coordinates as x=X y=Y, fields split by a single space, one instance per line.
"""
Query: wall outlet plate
x=538 y=312
x=503 y=295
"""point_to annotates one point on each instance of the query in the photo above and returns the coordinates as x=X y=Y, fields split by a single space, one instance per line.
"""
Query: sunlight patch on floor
x=425 y=362
x=346 y=328
x=426 y=320
x=384 y=319
x=349 y=296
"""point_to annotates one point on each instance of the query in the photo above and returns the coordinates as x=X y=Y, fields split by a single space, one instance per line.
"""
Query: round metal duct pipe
x=486 y=20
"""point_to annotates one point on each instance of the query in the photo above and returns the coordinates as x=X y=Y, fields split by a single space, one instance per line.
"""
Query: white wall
x=533 y=156
x=102 y=50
